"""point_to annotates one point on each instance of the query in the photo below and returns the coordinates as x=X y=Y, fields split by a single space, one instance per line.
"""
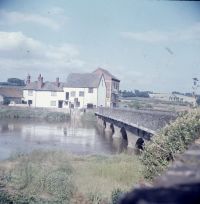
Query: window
x=81 y=93
x=113 y=85
x=53 y=103
x=67 y=96
x=30 y=92
x=24 y=102
x=73 y=94
x=77 y=104
x=90 y=90
x=53 y=93
x=89 y=105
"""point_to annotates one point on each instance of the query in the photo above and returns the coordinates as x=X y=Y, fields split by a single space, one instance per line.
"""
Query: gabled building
x=44 y=94
x=10 y=94
x=85 y=90
x=80 y=91
x=112 y=87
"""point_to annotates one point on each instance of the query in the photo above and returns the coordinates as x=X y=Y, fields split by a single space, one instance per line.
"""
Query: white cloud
x=20 y=54
x=13 y=18
x=155 y=36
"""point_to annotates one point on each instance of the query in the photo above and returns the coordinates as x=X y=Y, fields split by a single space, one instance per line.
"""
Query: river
x=23 y=136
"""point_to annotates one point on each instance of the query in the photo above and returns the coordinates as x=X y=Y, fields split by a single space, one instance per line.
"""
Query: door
x=60 y=104
x=89 y=105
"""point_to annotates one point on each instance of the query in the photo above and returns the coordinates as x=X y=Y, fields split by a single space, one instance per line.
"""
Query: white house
x=44 y=94
x=80 y=91
x=85 y=90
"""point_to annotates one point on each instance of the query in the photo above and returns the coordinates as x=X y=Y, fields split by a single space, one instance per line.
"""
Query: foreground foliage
x=57 y=177
x=38 y=177
x=171 y=140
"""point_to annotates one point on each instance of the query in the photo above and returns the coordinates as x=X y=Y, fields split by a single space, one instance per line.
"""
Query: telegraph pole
x=194 y=87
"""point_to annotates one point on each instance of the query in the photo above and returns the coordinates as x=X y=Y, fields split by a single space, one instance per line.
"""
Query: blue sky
x=149 y=45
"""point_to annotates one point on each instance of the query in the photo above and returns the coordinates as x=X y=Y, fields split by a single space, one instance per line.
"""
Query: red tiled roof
x=14 y=92
x=105 y=73
x=47 y=86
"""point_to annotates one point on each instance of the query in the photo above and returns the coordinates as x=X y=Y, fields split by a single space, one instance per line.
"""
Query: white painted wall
x=84 y=100
x=43 y=98
x=101 y=97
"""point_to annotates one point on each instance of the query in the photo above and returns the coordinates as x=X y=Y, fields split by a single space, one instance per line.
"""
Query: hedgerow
x=171 y=140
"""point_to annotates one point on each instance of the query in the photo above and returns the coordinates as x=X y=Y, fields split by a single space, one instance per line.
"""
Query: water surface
x=22 y=136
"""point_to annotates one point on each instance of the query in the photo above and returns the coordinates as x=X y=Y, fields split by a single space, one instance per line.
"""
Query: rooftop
x=106 y=73
x=14 y=92
x=46 y=86
x=85 y=80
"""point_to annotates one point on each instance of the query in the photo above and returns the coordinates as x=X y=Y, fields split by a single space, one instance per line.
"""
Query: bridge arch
x=139 y=143
x=124 y=133
x=112 y=128
x=104 y=123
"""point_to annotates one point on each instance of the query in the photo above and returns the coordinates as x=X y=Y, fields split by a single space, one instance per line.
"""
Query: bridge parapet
x=149 y=121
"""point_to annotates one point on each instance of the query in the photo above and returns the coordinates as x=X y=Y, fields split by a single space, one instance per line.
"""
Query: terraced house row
x=81 y=90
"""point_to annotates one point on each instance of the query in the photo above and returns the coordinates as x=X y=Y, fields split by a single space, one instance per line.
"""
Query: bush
x=171 y=140
x=42 y=177
x=135 y=105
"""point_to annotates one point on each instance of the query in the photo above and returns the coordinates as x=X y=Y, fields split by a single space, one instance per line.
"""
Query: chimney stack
x=57 y=82
x=40 y=81
x=28 y=79
x=39 y=77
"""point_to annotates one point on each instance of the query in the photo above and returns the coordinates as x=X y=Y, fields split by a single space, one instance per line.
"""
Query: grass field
x=155 y=104
x=32 y=113
x=57 y=177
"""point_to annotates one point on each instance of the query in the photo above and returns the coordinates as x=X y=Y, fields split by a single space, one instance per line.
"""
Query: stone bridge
x=132 y=124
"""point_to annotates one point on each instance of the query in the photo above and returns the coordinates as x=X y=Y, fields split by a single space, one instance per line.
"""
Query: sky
x=148 y=45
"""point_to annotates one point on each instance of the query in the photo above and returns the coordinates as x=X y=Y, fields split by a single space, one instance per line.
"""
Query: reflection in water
x=4 y=127
x=75 y=137
x=118 y=144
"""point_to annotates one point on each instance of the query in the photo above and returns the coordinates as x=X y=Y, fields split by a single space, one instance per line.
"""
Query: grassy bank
x=155 y=104
x=57 y=177
x=170 y=141
x=32 y=113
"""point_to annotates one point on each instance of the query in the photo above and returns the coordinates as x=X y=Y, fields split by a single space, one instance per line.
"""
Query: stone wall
x=153 y=120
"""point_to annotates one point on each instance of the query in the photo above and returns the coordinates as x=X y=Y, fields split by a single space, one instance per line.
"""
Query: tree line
x=135 y=93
